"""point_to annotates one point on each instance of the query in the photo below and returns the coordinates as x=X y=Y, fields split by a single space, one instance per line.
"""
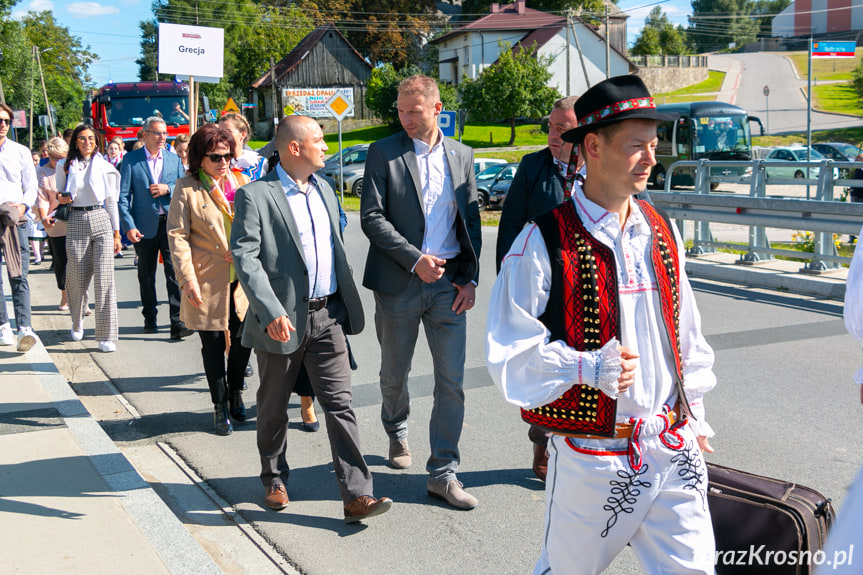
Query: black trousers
x=213 y=354
x=58 y=258
x=148 y=250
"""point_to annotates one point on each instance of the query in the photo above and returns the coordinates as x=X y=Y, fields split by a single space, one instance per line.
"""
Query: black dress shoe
x=237 y=407
x=221 y=420
x=310 y=427
x=150 y=326
x=180 y=331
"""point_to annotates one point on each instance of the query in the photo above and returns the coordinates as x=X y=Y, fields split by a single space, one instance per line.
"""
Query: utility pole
x=568 y=22
x=32 y=73
x=607 y=47
x=2 y=95
x=581 y=57
x=44 y=91
x=273 y=82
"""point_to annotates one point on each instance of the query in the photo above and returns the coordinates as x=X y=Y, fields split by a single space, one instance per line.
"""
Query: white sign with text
x=191 y=50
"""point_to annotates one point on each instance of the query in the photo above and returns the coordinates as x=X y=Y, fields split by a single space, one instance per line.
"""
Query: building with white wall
x=819 y=17
x=578 y=49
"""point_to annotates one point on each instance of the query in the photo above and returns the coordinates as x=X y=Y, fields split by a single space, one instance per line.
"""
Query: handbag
x=62 y=212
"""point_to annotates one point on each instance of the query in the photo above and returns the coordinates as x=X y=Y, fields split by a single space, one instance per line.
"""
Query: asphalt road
x=784 y=110
x=785 y=406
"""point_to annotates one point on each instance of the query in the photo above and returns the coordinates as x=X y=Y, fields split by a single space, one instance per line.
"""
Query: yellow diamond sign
x=339 y=106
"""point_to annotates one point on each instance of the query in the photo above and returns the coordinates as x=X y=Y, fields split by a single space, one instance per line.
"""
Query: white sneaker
x=107 y=346
x=77 y=335
x=6 y=335
x=26 y=339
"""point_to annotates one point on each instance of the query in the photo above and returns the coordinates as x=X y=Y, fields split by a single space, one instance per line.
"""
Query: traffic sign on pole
x=446 y=121
x=339 y=106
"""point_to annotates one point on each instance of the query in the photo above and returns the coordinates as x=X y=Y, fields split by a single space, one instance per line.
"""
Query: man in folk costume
x=593 y=331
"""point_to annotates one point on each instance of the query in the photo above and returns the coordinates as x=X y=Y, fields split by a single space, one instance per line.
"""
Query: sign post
x=340 y=107
x=767 y=106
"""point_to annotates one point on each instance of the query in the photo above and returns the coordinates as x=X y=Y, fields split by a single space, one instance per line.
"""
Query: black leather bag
x=62 y=212
x=766 y=526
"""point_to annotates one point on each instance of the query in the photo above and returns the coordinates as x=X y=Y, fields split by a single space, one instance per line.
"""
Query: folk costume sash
x=583 y=311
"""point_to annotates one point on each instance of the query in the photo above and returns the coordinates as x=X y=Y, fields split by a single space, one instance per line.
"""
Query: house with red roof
x=580 y=55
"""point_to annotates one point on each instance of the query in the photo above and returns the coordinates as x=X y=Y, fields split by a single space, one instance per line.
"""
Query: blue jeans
x=397 y=319
x=20 y=286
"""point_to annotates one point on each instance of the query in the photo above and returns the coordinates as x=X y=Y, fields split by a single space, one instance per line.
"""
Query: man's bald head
x=301 y=146
x=293 y=129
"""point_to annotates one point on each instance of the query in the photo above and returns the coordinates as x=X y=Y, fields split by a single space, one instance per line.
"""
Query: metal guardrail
x=821 y=214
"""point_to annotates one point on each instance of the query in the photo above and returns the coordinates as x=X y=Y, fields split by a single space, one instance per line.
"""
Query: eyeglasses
x=158 y=134
x=6 y=121
x=216 y=158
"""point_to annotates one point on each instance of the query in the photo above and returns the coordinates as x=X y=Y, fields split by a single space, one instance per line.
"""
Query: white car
x=777 y=159
x=480 y=164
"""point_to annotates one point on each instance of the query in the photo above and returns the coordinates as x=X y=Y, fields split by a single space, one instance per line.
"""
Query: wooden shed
x=323 y=61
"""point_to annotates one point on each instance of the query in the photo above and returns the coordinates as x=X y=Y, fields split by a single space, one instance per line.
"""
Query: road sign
x=766 y=90
x=19 y=119
x=231 y=106
x=339 y=106
x=446 y=122
x=833 y=49
x=211 y=115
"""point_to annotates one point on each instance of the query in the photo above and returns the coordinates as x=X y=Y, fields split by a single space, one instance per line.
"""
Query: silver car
x=353 y=168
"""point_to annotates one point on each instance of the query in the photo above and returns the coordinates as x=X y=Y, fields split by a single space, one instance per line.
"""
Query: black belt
x=163 y=217
x=86 y=208
x=318 y=303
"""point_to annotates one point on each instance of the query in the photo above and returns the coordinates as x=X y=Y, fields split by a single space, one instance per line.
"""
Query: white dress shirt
x=313 y=223
x=531 y=371
x=17 y=174
x=439 y=203
x=155 y=163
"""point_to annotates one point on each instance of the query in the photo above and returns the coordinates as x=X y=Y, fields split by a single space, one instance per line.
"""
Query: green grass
x=838 y=98
x=712 y=84
x=850 y=135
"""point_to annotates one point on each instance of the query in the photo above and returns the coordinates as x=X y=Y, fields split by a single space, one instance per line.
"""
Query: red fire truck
x=120 y=109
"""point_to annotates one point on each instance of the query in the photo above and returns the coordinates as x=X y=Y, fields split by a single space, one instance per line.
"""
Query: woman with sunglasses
x=91 y=185
x=46 y=203
x=199 y=232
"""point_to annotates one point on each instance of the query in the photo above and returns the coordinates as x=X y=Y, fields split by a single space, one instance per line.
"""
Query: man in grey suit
x=290 y=260
x=536 y=188
x=419 y=211
x=147 y=177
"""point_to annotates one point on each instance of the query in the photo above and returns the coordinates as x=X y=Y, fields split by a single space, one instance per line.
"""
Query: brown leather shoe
x=277 y=497
x=366 y=506
x=540 y=461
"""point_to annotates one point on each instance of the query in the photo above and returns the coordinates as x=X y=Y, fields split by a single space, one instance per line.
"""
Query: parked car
x=481 y=164
x=839 y=152
x=781 y=155
x=353 y=168
x=486 y=179
x=500 y=187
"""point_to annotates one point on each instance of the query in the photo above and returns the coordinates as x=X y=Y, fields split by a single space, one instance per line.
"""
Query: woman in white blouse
x=91 y=185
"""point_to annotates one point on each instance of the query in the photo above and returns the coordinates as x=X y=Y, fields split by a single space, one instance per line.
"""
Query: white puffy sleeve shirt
x=531 y=371
x=854 y=301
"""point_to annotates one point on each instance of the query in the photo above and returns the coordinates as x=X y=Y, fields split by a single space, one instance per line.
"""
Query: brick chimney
x=495 y=7
x=519 y=6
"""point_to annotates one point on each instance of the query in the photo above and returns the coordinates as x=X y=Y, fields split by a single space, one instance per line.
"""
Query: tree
x=64 y=65
x=514 y=87
x=253 y=34
x=659 y=36
x=382 y=92
x=392 y=31
x=715 y=24
x=766 y=10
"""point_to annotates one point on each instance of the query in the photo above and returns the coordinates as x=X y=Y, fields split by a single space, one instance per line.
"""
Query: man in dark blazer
x=419 y=211
x=147 y=177
x=536 y=188
x=538 y=183
x=290 y=260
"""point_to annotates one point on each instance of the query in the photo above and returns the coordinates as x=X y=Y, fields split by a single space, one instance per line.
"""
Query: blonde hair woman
x=46 y=203
x=246 y=160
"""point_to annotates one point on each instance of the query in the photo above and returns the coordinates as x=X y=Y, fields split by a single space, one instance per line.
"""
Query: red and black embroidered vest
x=583 y=311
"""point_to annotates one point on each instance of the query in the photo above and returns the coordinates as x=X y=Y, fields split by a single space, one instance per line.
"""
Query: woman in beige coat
x=199 y=231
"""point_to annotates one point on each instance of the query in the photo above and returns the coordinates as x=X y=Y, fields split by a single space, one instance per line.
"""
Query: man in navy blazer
x=147 y=177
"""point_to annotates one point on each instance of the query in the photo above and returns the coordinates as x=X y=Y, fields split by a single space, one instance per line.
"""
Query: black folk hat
x=611 y=101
